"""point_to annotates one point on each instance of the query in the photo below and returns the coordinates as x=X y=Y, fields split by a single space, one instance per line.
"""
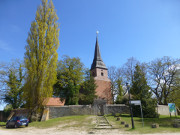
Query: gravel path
x=56 y=131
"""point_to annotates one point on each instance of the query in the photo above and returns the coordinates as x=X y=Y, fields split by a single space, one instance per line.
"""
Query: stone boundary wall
x=3 y=116
x=164 y=110
x=117 y=108
x=70 y=110
x=61 y=111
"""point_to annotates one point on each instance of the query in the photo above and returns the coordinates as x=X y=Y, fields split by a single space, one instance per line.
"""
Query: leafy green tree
x=120 y=90
x=141 y=91
x=69 y=78
x=175 y=93
x=41 y=55
x=87 y=92
x=14 y=94
x=12 y=76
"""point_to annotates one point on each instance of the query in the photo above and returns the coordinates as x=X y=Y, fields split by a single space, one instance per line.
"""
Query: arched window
x=102 y=74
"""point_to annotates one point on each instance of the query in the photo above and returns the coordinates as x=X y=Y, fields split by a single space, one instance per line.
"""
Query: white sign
x=136 y=102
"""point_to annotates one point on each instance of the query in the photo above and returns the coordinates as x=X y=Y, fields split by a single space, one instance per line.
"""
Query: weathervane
x=97 y=32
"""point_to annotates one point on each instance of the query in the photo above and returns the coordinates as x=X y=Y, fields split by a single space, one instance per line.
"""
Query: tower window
x=102 y=74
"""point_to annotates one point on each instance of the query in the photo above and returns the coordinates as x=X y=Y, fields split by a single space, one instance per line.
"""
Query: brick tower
x=100 y=74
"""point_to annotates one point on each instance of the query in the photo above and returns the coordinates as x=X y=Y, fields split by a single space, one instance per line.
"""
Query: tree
x=87 y=92
x=3 y=77
x=128 y=70
x=12 y=76
x=69 y=78
x=113 y=77
x=162 y=74
x=41 y=55
x=175 y=94
x=116 y=75
x=141 y=91
x=120 y=94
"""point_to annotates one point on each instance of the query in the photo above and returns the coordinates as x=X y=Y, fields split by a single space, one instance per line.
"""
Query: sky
x=143 y=29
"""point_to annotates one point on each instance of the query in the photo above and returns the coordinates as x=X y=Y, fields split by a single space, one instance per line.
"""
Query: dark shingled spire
x=97 y=62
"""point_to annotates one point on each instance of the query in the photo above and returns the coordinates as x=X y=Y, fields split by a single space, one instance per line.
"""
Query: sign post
x=138 y=102
x=132 y=121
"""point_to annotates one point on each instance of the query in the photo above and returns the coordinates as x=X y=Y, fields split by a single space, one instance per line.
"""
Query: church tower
x=100 y=73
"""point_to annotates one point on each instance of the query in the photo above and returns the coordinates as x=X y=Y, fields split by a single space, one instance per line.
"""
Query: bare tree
x=116 y=77
x=162 y=74
x=113 y=77
x=128 y=70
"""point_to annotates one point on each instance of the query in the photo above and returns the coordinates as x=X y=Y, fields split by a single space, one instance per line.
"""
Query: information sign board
x=172 y=107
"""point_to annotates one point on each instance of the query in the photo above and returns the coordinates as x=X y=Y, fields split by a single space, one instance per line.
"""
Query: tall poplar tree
x=41 y=55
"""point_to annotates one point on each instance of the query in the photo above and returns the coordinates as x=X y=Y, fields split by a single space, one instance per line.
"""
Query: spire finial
x=97 y=32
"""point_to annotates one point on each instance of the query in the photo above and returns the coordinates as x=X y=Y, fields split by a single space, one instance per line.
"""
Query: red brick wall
x=103 y=90
x=103 y=83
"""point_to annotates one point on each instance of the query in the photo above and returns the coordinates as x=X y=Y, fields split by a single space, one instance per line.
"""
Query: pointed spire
x=97 y=62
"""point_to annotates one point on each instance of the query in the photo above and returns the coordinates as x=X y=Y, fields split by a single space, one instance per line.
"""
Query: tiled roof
x=53 y=102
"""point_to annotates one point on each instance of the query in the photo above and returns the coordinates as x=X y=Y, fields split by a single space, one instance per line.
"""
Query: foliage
x=41 y=55
x=69 y=78
x=12 y=83
x=120 y=99
x=140 y=91
x=162 y=74
x=128 y=70
x=7 y=109
x=175 y=94
x=87 y=91
x=116 y=75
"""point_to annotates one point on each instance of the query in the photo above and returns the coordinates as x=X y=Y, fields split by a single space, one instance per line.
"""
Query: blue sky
x=144 y=29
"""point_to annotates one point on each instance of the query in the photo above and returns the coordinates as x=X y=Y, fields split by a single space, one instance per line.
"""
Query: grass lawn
x=2 y=124
x=87 y=122
x=66 y=122
x=165 y=124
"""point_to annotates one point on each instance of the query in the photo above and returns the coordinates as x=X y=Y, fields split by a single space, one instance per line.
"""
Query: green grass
x=2 y=124
x=85 y=122
x=165 y=124
x=65 y=122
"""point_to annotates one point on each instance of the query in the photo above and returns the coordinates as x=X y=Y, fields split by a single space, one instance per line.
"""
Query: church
x=100 y=73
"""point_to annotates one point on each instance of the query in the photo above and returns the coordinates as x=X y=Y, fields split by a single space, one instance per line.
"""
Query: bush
x=148 y=109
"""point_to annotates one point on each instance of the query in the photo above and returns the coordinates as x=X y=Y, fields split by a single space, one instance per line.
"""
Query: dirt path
x=56 y=131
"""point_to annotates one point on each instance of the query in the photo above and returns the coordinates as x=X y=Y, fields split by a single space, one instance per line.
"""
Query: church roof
x=97 y=62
